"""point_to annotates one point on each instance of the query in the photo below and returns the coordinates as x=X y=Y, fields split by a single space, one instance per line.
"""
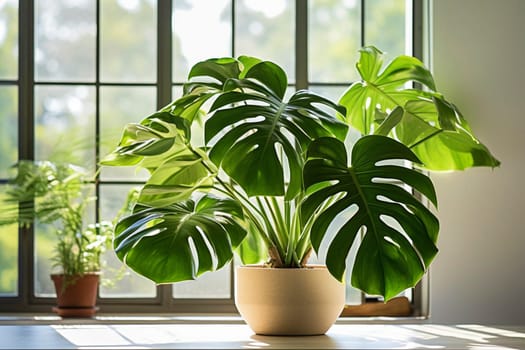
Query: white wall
x=478 y=58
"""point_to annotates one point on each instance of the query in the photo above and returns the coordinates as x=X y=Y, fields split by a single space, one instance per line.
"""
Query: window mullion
x=97 y=109
x=164 y=52
x=301 y=44
x=362 y=24
x=26 y=137
x=417 y=28
x=26 y=80
x=164 y=87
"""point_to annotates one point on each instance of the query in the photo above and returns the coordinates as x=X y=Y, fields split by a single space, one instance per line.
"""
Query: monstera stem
x=306 y=256
x=275 y=257
x=228 y=189
x=275 y=238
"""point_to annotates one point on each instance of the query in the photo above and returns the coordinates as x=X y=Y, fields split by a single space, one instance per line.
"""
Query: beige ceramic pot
x=288 y=301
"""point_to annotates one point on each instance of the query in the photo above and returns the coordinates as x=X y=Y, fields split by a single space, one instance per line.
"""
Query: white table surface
x=191 y=334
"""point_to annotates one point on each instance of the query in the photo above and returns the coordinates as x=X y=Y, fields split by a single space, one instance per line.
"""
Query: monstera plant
x=237 y=166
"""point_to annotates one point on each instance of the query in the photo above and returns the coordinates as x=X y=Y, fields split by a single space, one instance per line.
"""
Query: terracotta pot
x=288 y=301
x=76 y=295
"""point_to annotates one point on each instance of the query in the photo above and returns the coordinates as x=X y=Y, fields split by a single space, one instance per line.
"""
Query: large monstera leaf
x=160 y=144
x=431 y=126
x=155 y=136
x=181 y=241
x=390 y=258
x=259 y=139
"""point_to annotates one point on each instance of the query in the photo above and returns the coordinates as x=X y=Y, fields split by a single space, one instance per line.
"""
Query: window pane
x=211 y=285
x=65 y=35
x=385 y=22
x=202 y=29
x=8 y=257
x=9 y=39
x=46 y=239
x=334 y=33
x=65 y=124
x=119 y=106
x=124 y=283
x=332 y=92
x=266 y=29
x=9 y=129
x=128 y=40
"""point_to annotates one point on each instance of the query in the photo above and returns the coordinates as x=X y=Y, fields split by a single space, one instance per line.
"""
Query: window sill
x=223 y=319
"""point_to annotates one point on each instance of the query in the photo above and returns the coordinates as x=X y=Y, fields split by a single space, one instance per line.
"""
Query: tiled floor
x=199 y=335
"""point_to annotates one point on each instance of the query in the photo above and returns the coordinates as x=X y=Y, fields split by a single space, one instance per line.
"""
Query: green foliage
x=388 y=260
x=8 y=260
x=210 y=226
x=52 y=193
x=273 y=175
x=431 y=126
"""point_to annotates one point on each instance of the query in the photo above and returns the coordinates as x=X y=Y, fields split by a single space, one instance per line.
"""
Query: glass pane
x=65 y=124
x=385 y=22
x=211 y=285
x=118 y=281
x=9 y=39
x=8 y=257
x=119 y=106
x=334 y=93
x=191 y=44
x=128 y=31
x=46 y=239
x=266 y=29
x=9 y=129
x=65 y=37
x=334 y=34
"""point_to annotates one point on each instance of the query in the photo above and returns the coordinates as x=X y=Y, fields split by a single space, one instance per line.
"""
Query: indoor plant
x=55 y=193
x=271 y=177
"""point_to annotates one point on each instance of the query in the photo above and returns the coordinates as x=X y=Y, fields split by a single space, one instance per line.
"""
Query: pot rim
x=265 y=267
x=91 y=273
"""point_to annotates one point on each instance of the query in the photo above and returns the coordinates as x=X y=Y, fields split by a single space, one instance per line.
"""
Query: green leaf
x=380 y=91
x=429 y=122
x=370 y=62
x=218 y=68
x=404 y=69
x=181 y=241
x=449 y=145
x=390 y=258
x=401 y=70
x=449 y=150
x=255 y=130
x=156 y=135
x=390 y=122
x=247 y=63
x=252 y=250
x=175 y=180
x=270 y=75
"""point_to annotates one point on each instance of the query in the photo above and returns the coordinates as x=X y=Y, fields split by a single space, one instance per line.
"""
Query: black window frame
x=26 y=301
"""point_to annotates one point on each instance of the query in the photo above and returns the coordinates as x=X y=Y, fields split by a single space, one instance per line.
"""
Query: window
x=74 y=72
